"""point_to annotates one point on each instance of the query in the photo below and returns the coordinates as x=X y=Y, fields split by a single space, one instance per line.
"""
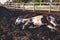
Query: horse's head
x=19 y=21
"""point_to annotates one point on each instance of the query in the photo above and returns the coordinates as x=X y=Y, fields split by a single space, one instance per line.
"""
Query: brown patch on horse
x=44 y=20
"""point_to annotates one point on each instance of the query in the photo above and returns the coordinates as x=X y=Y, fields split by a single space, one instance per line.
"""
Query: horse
x=37 y=21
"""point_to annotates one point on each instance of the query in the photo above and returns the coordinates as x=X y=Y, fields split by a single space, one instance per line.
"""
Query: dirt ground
x=9 y=31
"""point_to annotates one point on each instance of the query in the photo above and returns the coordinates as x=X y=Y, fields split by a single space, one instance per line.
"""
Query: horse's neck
x=25 y=20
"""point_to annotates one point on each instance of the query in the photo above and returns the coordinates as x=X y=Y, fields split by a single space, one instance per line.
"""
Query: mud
x=9 y=31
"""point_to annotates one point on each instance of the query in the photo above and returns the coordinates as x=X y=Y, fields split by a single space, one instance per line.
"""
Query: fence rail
x=55 y=6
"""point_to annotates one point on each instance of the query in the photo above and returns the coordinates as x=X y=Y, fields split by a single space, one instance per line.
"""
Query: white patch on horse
x=52 y=20
x=19 y=20
x=37 y=20
x=49 y=26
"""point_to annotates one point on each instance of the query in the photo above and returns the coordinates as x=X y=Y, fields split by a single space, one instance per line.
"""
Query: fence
x=55 y=6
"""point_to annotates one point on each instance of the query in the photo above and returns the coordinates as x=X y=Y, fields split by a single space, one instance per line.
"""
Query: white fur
x=52 y=20
x=49 y=26
x=18 y=20
x=53 y=23
x=37 y=20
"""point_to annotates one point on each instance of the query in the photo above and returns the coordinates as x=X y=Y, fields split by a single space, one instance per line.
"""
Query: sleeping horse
x=38 y=21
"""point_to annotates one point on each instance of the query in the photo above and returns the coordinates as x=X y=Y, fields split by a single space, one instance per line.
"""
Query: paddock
x=9 y=31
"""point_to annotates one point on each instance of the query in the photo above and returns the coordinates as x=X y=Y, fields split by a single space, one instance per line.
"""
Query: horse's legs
x=25 y=25
x=49 y=26
x=53 y=23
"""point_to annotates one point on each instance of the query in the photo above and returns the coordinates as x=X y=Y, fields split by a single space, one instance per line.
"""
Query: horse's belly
x=37 y=22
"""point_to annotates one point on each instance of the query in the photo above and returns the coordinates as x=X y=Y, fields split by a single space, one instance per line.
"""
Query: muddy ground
x=9 y=31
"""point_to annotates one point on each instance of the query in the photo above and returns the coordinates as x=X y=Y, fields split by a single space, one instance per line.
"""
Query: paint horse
x=37 y=21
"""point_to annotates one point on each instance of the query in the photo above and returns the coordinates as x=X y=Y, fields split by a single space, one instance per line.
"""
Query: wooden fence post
x=50 y=3
x=34 y=7
x=49 y=7
x=23 y=6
